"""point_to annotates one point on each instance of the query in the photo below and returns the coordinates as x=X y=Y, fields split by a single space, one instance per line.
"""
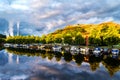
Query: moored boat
x=115 y=51
x=57 y=48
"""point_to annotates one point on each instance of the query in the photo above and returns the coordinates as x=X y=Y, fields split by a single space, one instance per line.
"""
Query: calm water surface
x=15 y=65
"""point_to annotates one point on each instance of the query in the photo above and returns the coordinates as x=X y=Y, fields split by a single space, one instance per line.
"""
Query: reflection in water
x=94 y=62
x=78 y=59
x=58 y=56
x=78 y=65
x=10 y=59
x=110 y=63
x=67 y=57
x=17 y=60
x=49 y=55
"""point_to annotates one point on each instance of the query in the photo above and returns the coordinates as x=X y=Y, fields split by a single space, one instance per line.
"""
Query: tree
x=79 y=39
x=58 y=40
x=94 y=41
x=119 y=31
x=42 y=40
x=112 y=40
x=68 y=39
x=49 y=39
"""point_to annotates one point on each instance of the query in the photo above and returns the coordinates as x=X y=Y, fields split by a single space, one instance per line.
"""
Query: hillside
x=88 y=29
x=107 y=33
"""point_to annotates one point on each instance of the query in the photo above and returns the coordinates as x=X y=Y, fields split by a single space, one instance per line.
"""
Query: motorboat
x=115 y=51
x=82 y=51
x=97 y=51
x=57 y=48
x=7 y=45
x=74 y=49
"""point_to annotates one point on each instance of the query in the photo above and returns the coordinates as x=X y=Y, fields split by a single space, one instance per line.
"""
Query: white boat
x=15 y=45
x=7 y=45
x=96 y=51
x=57 y=48
x=82 y=50
x=74 y=48
x=19 y=45
x=26 y=46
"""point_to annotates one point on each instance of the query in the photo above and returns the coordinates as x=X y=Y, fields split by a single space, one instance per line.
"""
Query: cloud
x=48 y=15
x=95 y=20
x=21 y=7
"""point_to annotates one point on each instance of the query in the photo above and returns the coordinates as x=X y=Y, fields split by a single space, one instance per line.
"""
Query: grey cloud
x=48 y=15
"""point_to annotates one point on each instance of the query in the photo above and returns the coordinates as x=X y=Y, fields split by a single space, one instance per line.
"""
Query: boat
x=106 y=51
x=82 y=51
x=74 y=49
x=115 y=51
x=97 y=51
x=66 y=48
x=7 y=45
x=57 y=48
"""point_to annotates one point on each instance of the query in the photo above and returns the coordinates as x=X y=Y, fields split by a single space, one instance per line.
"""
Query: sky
x=37 y=17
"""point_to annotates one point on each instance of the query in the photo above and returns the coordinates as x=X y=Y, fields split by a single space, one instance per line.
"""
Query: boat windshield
x=115 y=50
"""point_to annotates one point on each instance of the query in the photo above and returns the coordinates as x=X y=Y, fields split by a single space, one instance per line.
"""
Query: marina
x=67 y=48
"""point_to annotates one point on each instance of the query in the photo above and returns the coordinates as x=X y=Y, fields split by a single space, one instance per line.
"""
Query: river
x=18 y=65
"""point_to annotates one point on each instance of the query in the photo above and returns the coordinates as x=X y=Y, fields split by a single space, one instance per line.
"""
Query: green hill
x=101 y=34
x=88 y=29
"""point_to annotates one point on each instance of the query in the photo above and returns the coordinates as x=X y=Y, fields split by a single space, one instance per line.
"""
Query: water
x=41 y=65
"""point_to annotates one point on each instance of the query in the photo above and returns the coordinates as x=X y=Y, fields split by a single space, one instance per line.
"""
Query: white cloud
x=47 y=14
x=19 y=77
x=37 y=4
x=54 y=14
x=21 y=7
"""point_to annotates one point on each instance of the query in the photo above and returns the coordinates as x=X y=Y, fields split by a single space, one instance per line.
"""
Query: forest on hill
x=98 y=34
